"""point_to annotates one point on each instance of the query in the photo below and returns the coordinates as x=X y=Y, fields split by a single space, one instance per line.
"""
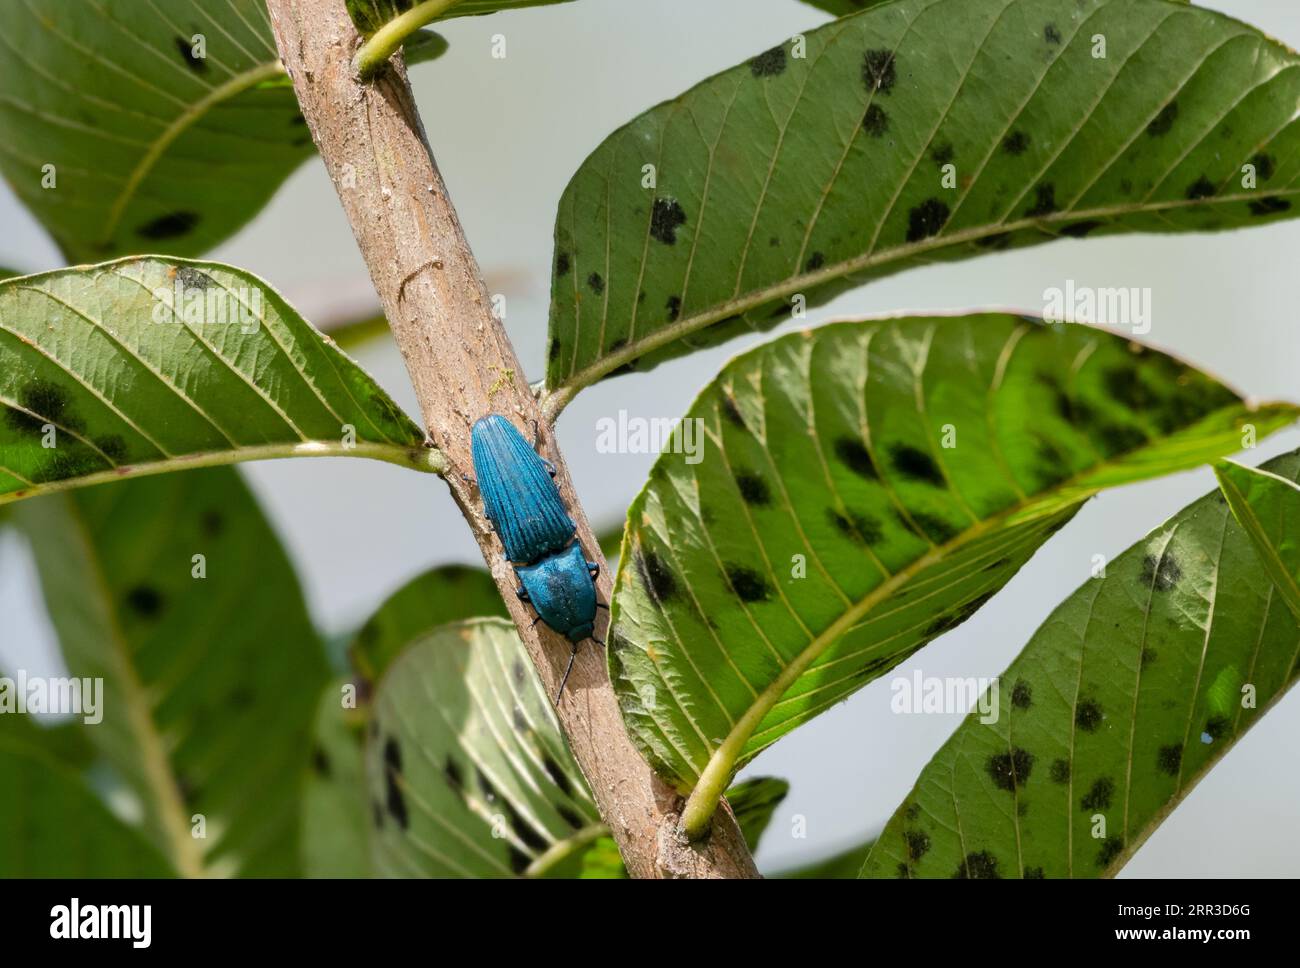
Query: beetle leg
x=522 y=592
x=602 y=605
x=567 y=669
x=550 y=468
x=469 y=480
x=594 y=568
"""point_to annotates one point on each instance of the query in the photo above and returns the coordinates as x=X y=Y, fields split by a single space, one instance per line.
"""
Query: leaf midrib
x=182 y=848
x=554 y=401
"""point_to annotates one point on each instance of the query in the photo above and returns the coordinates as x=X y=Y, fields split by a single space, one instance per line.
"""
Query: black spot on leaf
x=879 y=71
x=997 y=242
x=770 y=63
x=1099 y=794
x=1033 y=873
x=748 y=584
x=875 y=121
x=1087 y=715
x=562 y=264
x=1010 y=770
x=1044 y=201
x=1081 y=230
x=854 y=455
x=395 y=802
x=1016 y=143
x=918 y=844
x=978 y=865
x=170 y=226
x=1022 y=694
x=674 y=308
x=197 y=64
x=1270 y=206
x=1217 y=727
x=553 y=350
x=732 y=412
x=1201 y=188
x=596 y=283
x=754 y=489
x=926 y=219
x=665 y=219
x=917 y=465
x=935 y=528
x=1111 y=848
x=320 y=762
x=1164 y=121
x=557 y=775
x=1051 y=34
x=1161 y=573
x=451 y=772
x=1170 y=758
x=855 y=526
x=943 y=153
x=145 y=601
x=1264 y=166
x=656 y=576
x=1060 y=771
x=815 y=262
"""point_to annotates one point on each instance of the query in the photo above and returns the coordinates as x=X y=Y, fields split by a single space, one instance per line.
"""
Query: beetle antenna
x=569 y=668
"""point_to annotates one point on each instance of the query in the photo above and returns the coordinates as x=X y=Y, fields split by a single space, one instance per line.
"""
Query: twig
x=463 y=366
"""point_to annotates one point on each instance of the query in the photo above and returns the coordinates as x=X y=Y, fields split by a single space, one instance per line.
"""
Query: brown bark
x=463 y=366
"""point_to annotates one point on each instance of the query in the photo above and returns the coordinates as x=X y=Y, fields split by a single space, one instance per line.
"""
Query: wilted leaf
x=175 y=592
x=789 y=179
x=863 y=488
x=148 y=365
x=1129 y=692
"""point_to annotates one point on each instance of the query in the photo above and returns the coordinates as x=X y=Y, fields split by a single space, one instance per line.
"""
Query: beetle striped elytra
x=524 y=506
x=519 y=496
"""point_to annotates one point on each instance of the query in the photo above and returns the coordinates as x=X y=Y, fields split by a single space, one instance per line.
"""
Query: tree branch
x=463 y=366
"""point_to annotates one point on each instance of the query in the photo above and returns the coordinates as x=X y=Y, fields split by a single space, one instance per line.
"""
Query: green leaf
x=1268 y=508
x=209 y=683
x=803 y=176
x=1122 y=700
x=754 y=803
x=156 y=143
x=336 y=814
x=845 y=864
x=55 y=826
x=842 y=8
x=467 y=771
x=133 y=387
x=828 y=530
x=434 y=598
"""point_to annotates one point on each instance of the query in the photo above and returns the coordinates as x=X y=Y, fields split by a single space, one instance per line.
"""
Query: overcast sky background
x=508 y=134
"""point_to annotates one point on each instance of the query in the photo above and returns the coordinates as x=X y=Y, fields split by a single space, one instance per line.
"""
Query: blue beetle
x=519 y=496
x=524 y=506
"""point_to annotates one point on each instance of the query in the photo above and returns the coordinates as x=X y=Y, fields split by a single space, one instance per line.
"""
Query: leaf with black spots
x=176 y=593
x=149 y=365
x=826 y=174
x=1174 y=676
x=903 y=488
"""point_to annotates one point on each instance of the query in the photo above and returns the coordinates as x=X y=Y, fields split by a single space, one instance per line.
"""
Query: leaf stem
x=385 y=41
x=418 y=458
